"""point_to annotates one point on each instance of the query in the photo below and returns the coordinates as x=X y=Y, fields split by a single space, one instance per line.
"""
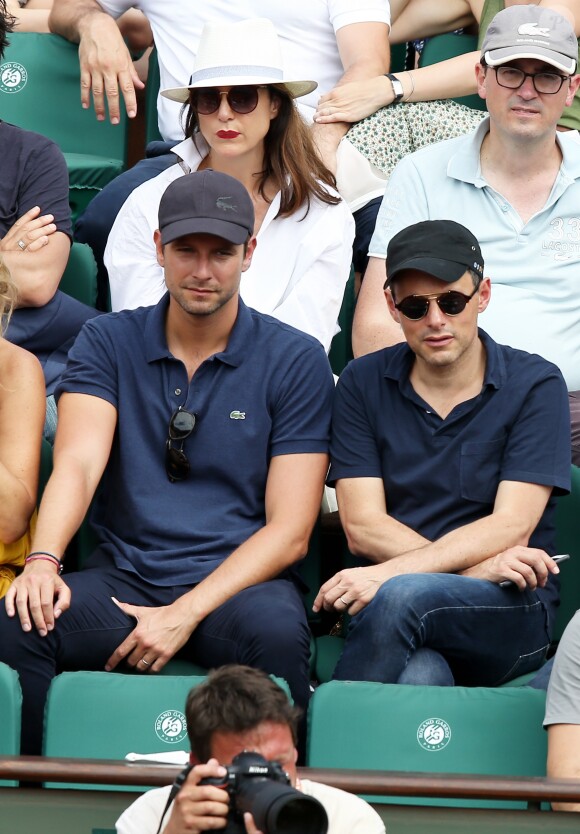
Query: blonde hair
x=7 y=296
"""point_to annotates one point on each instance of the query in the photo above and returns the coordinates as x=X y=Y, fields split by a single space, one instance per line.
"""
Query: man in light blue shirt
x=515 y=183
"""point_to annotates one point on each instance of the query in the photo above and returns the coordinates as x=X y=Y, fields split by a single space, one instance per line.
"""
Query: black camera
x=264 y=789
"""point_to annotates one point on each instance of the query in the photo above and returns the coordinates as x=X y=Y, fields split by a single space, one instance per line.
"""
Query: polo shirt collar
x=399 y=361
x=156 y=342
x=188 y=154
x=465 y=165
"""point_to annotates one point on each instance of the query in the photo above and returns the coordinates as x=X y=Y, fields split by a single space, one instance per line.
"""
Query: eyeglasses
x=546 y=83
x=207 y=100
x=181 y=425
x=451 y=303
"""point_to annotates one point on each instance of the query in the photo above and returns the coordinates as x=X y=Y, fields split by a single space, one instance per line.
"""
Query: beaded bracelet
x=43 y=555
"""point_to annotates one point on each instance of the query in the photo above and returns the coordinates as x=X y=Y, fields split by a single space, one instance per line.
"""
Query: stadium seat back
x=79 y=279
x=40 y=91
x=568 y=541
x=449 y=45
x=428 y=729
x=11 y=701
x=106 y=715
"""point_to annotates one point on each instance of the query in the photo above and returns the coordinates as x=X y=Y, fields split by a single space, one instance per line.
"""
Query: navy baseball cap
x=206 y=202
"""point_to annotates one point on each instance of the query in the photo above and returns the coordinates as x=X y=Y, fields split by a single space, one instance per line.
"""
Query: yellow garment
x=12 y=557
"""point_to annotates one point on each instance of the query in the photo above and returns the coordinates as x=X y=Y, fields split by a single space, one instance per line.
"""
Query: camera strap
x=175 y=788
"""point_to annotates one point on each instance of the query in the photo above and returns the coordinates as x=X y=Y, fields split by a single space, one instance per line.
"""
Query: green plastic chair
x=105 y=715
x=40 y=91
x=441 y=48
x=568 y=541
x=340 y=352
x=11 y=701
x=79 y=279
x=428 y=729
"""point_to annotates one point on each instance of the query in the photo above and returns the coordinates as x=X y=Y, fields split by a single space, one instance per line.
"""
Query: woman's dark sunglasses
x=207 y=100
x=451 y=303
x=181 y=425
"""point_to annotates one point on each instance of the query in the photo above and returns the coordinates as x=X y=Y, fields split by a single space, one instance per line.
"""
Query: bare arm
x=22 y=409
x=80 y=457
x=564 y=758
x=483 y=549
x=364 y=52
x=282 y=541
x=105 y=61
x=373 y=327
x=423 y=18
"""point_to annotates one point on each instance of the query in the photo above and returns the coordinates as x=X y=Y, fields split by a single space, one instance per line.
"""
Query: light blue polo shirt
x=268 y=393
x=534 y=266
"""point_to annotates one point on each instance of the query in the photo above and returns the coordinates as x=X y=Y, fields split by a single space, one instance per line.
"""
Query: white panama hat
x=231 y=54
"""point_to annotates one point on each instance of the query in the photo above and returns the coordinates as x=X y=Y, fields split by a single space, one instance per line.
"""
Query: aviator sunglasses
x=181 y=425
x=244 y=99
x=451 y=303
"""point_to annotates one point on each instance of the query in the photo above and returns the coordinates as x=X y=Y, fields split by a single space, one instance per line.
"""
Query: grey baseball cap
x=531 y=32
x=206 y=202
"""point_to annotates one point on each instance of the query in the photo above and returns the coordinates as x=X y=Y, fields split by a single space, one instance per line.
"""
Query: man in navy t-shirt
x=206 y=426
x=446 y=452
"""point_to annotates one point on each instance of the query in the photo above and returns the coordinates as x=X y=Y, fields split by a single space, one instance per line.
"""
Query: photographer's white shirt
x=347 y=813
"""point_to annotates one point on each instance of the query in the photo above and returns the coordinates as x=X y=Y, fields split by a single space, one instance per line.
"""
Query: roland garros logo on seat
x=170 y=726
x=434 y=734
x=13 y=77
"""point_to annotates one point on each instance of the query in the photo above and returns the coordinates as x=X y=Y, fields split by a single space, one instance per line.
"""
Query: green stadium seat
x=105 y=715
x=151 y=93
x=11 y=700
x=568 y=541
x=449 y=45
x=79 y=279
x=341 y=348
x=40 y=91
x=428 y=729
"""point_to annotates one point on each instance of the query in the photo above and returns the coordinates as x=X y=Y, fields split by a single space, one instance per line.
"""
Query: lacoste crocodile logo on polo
x=224 y=203
x=533 y=29
x=13 y=77
x=237 y=415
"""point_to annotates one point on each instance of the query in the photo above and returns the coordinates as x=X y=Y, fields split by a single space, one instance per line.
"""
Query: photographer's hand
x=250 y=824
x=198 y=808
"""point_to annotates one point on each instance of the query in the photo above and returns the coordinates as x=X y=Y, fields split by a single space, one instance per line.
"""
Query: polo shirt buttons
x=177 y=392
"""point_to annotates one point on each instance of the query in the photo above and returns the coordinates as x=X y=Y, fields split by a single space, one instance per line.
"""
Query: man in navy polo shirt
x=207 y=426
x=446 y=452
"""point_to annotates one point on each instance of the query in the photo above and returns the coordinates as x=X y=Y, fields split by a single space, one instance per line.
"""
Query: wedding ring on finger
x=22 y=244
x=145 y=662
x=344 y=602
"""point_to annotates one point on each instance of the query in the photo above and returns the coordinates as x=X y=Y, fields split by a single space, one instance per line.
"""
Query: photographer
x=239 y=709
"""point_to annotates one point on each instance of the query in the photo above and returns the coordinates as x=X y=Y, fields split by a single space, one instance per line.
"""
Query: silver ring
x=22 y=244
x=146 y=662
x=344 y=602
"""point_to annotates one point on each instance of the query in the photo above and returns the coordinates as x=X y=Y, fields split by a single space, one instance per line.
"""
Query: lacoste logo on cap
x=533 y=29
x=224 y=203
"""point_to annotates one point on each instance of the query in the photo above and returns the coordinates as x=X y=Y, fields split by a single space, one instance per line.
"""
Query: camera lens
x=281 y=809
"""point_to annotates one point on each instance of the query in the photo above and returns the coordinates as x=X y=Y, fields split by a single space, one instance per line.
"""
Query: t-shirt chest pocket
x=480 y=469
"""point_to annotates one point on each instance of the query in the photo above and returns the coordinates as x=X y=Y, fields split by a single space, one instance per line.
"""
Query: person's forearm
x=37 y=274
x=263 y=556
x=379 y=537
x=447 y=79
x=16 y=506
x=373 y=327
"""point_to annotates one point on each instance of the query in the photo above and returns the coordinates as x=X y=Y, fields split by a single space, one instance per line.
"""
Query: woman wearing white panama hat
x=240 y=119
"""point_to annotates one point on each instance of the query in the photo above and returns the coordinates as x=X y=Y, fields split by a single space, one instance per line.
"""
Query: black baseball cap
x=206 y=202
x=441 y=248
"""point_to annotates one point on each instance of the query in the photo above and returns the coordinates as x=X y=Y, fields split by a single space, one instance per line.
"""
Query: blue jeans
x=482 y=634
x=263 y=626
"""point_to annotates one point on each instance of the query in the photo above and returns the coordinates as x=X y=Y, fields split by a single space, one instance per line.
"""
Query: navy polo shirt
x=440 y=474
x=269 y=393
